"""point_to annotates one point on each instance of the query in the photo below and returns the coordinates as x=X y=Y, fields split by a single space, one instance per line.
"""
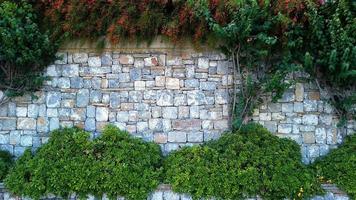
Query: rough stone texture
x=164 y=192
x=172 y=98
x=304 y=115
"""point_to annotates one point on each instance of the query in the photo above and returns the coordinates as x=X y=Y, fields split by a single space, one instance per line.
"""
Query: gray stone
x=180 y=100
x=287 y=107
x=52 y=112
x=310 y=119
x=285 y=128
x=142 y=127
x=15 y=137
x=89 y=124
x=135 y=96
x=207 y=85
x=177 y=136
x=287 y=97
x=298 y=107
x=63 y=83
x=82 y=97
x=64 y=113
x=11 y=109
x=170 y=112
x=52 y=71
x=4 y=138
x=320 y=135
x=78 y=114
x=53 y=99
x=26 y=140
x=155 y=124
x=223 y=67
x=80 y=57
x=310 y=105
x=135 y=74
x=71 y=70
x=53 y=124
x=221 y=97
x=106 y=59
x=165 y=98
x=195 y=137
x=196 y=97
x=203 y=63
x=122 y=116
x=102 y=114
x=95 y=96
x=32 y=110
x=26 y=124
x=76 y=82
x=21 y=111
x=271 y=126
x=114 y=100
x=211 y=135
x=7 y=124
x=18 y=151
x=94 y=61
x=90 y=111
x=191 y=83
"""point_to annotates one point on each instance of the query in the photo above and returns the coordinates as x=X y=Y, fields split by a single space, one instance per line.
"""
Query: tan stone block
x=191 y=124
x=160 y=81
x=127 y=106
x=314 y=95
x=140 y=85
x=126 y=59
x=172 y=83
x=308 y=138
x=160 y=138
x=299 y=92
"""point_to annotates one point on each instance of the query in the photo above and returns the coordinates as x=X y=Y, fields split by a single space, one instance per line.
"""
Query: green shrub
x=247 y=163
x=114 y=163
x=6 y=162
x=339 y=166
x=24 y=49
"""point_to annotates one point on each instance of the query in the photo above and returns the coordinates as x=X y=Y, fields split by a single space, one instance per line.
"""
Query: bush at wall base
x=114 y=164
x=244 y=164
x=6 y=162
x=339 y=166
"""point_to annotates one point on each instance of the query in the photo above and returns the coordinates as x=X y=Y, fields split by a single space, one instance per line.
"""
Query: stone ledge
x=164 y=192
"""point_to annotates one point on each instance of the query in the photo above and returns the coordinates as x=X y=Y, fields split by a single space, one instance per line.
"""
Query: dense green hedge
x=24 y=49
x=6 y=162
x=339 y=166
x=247 y=163
x=114 y=163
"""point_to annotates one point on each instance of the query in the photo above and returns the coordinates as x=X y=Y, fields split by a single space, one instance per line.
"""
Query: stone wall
x=173 y=96
x=304 y=115
x=164 y=192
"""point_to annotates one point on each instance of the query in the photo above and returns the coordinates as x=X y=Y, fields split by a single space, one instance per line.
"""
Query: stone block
x=191 y=83
x=196 y=98
x=203 y=63
x=80 y=57
x=221 y=125
x=208 y=86
x=126 y=59
x=308 y=138
x=298 y=107
x=140 y=85
x=310 y=119
x=15 y=137
x=26 y=123
x=180 y=100
x=135 y=74
x=191 y=124
x=71 y=70
x=53 y=99
x=287 y=107
x=82 y=98
x=102 y=114
x=170 y=112
x=21 y=111
x=285 y=128
x=94 y=61
x=320 y=135
x=26 y=140
x=142 y=127
x=53 y=124
x=195 y=137
x=310 y=105
x=42 y=124
x=172 y=83
x=299 y=92
x=177 y=136
x=160 y=138
x=165 y=98
x=32 y=110
x=265 y=116
x=223 y=67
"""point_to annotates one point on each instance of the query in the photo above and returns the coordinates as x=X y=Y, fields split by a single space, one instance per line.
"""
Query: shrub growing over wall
x=114 y=164
x=339 y=166
x=24 y=49
x=247 y=163
x=6 y=162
